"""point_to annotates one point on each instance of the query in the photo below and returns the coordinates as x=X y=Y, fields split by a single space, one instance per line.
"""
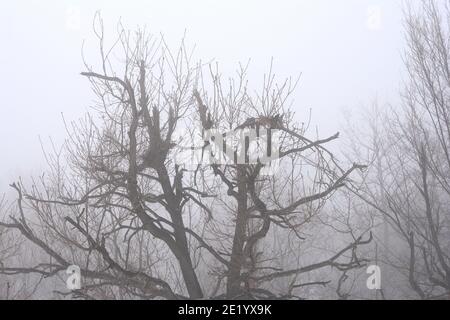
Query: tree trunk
x=182 y=252
x=234 y=271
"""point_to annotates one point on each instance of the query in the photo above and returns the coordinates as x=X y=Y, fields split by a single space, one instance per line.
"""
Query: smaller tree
x=409 y=181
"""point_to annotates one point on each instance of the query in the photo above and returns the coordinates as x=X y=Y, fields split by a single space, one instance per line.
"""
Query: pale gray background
x=348 y=52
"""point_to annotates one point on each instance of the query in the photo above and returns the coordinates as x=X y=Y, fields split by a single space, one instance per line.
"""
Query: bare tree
x=12 y=287
x=140 y=224
x=409 y=177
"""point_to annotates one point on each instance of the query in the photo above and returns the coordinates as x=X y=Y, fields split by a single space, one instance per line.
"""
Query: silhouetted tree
x=140 y=223
x=409 y=179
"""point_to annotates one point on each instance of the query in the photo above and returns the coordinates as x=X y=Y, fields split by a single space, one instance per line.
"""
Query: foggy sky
x=346 y=53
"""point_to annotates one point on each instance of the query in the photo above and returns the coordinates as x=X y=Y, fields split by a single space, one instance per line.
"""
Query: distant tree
x=11 y=287
x=409 y=178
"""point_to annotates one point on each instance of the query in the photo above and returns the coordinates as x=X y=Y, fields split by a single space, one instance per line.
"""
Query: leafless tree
x=12 y=287
x=409 y=149
x=141 y=224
